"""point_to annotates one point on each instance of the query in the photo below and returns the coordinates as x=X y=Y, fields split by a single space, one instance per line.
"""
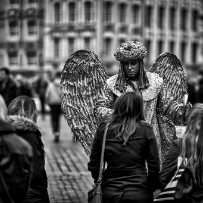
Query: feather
x=83 y=78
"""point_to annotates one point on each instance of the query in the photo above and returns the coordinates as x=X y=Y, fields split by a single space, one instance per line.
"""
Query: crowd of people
x=140 y=110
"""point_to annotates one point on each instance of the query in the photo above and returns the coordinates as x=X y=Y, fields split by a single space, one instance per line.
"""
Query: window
x=121 y=41
x=161 y=17
x=32 y=1
x=194 y=52
x=57 y=12
x=13 y=58
x=87 y=43
x=31 y=58
x=135 y=14
x=13 y=26
x=172 y=18
x=107 y=47
x=148 y=16
x=194 y=20
x=71 y=42
x=14 y=1
x=148 y=47
x=122 y=13
x=32 y=27
x=107 y=12
x=72 y=12
x=160 y=47
x=183 y=51
x=88 y=11
x=183 y=19
x=56 y=47
x=171 y=46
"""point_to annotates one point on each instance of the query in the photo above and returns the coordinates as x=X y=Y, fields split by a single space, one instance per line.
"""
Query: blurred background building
x=40 y=35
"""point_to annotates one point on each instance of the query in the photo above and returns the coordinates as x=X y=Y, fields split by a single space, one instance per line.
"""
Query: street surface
x=66 y=165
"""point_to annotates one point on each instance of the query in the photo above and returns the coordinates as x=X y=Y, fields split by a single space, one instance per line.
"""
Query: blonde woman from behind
x=15 y=161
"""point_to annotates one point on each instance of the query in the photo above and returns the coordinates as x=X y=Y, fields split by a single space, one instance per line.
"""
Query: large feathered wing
x=169 y=67
x=82 y=80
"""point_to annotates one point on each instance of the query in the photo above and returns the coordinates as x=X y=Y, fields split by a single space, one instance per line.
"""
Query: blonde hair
x=23 y=106
x=3 y=109
x=192 y=142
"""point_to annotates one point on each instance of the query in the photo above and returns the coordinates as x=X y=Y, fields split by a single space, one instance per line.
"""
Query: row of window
x=71 y=45
x=31 y=28
x=136 y=14
x=172 y=49
x=32 y=56
x=73 y=12
x=160 y=48
x=108 y=47
x=14 y=59
x=18 y=1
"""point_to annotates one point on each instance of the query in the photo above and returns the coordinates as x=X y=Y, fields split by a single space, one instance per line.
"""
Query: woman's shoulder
x=144 y=124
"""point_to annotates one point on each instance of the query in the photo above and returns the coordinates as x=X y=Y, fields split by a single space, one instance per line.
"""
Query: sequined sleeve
x=169 y=107
x=104 y=104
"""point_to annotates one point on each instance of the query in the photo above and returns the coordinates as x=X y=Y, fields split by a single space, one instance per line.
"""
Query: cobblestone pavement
x=66 y=165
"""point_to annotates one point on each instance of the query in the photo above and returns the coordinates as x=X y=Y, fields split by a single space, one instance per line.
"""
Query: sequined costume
x=162 y=106
x=83 y=78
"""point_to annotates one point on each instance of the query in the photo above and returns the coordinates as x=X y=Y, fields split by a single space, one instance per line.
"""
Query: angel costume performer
x=162 y=96
x=88 y=95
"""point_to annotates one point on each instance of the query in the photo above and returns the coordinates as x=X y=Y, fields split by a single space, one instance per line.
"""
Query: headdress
x=130 y=51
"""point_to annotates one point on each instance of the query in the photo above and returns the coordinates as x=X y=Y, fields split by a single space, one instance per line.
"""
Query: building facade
x=21 y=35
x=41 y=35
x=101 y=26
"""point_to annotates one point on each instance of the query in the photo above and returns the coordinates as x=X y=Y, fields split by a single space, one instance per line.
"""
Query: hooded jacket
x=15 y=163
x=29 y=130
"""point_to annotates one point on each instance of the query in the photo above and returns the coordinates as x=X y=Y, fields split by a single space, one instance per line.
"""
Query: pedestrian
x=131 y=154
x=161 y=107
x=23 y=86
x=23 y=115
x=189 y=147
x=15 y=161
x=40 y=86
x=8 y=86
x=54 y=101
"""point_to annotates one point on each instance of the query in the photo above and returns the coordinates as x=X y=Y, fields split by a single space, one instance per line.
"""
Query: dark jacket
x=170 y=167
x=28 y=130
x=15 y=163
x=126 y=164
x=9 y=90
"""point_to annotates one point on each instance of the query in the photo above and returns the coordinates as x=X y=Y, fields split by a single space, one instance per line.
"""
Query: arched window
x=72 y=12
x=88 y=11
x=57 y=12
x=32 y=27
x=122 y=12
x=108 y=11
x=13 y=28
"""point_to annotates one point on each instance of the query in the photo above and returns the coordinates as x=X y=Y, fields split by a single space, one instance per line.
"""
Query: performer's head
x=128 y=110
x=192 y=141
x=131 y=55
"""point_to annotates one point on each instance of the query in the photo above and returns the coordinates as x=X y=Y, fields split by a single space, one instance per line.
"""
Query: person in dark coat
x=131 y=154
x=23 y=116
x=190 y=146
x=8 y=87
x=15 y=161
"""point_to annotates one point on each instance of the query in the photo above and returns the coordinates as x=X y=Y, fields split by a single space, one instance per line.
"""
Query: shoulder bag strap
x=102 y=155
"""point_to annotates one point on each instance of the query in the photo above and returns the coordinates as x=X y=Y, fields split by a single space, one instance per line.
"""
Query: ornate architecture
x=31 y=40
x=21 y=31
